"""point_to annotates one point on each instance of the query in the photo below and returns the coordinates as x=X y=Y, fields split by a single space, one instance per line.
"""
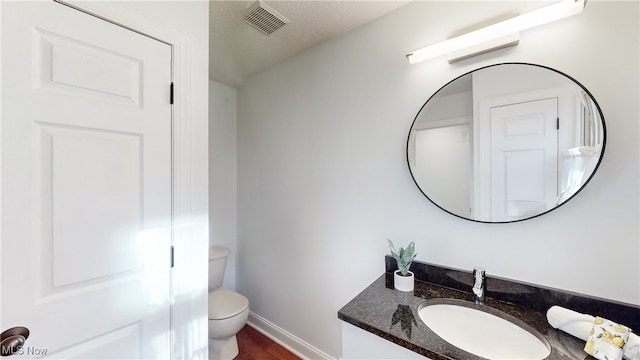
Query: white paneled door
x=85 y=171
x=524 y=159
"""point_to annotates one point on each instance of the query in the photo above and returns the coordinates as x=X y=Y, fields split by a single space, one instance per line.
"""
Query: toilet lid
x=225 y=303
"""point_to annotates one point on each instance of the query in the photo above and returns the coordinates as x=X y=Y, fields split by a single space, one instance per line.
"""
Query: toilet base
x=225 y=349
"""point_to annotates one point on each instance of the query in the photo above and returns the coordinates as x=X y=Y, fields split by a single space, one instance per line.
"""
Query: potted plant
x=403 y=279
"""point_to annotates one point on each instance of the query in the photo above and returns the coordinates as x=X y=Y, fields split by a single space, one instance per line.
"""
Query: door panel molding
x=122 y=343
x=57 y=57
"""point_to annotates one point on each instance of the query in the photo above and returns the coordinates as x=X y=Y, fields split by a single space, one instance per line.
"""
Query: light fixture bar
x=485 y=47
x=557 y=11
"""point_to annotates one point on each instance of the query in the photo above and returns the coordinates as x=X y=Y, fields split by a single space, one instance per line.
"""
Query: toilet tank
x=217 y=262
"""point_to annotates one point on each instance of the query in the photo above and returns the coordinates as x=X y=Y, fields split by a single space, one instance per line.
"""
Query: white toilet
x=228 y=310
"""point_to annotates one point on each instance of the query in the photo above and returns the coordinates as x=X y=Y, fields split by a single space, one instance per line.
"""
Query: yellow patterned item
x=606 y=340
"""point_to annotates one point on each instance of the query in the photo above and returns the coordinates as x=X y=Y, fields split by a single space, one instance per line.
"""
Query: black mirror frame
x=597 y=166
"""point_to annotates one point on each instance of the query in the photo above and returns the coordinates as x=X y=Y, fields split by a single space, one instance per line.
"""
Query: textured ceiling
x=238 y=50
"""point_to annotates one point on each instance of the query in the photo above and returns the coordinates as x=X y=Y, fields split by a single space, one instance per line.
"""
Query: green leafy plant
x=404 y=257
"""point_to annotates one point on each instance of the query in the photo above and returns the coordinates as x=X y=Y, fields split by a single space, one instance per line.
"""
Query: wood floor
x=254 y=345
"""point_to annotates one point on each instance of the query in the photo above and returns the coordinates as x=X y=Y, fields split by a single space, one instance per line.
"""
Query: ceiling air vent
x=264 y=18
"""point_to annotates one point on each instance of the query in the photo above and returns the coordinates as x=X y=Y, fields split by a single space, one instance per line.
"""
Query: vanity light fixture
x=484 y=39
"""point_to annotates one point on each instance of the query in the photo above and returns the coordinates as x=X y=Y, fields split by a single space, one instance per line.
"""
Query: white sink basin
x=465 y=326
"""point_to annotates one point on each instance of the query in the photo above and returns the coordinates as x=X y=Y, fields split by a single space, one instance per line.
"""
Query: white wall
x=323 y=179
x=223 y=177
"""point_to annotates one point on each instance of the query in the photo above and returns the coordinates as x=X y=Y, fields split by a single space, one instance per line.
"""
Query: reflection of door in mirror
x=524 y=153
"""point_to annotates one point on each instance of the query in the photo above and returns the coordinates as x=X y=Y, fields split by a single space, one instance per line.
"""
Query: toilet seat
x=225 y=303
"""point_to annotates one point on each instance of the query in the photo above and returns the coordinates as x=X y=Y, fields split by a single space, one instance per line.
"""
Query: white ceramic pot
x=403 y=283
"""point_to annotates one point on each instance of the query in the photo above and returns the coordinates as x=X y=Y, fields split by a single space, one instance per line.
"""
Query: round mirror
x=506 y=142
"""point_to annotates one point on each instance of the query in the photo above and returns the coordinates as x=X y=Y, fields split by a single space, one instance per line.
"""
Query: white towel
x=579 y=325
x=607 y=339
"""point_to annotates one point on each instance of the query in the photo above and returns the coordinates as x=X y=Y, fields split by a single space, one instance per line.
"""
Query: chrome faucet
x=479 y=285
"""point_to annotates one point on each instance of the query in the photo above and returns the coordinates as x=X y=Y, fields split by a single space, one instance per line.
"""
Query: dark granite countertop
x=393 y=315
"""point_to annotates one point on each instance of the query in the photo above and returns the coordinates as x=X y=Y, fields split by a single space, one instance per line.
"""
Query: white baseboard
x=286 y=339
